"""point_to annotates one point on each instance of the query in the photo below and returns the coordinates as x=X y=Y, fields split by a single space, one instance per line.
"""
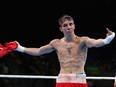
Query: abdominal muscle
x=72 y=63
x=72 y=56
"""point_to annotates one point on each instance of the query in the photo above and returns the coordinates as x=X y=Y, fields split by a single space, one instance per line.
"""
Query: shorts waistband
x=72 y=78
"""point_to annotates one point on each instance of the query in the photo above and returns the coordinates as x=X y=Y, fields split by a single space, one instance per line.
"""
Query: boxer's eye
x=70 y=24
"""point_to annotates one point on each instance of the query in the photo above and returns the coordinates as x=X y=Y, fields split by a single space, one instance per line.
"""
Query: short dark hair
x=63 y=18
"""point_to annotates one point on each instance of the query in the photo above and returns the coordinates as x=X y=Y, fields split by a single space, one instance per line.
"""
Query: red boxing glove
x=3 y=51
x=9 y=47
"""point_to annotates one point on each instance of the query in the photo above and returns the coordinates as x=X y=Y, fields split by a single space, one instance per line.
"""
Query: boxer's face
x=67 y=26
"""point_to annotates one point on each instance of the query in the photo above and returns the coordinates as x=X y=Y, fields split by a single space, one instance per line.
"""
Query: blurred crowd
x=16 y=63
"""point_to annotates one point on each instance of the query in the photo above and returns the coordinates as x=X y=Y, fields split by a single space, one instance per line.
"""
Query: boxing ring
x=53 y=77
x=46 y=78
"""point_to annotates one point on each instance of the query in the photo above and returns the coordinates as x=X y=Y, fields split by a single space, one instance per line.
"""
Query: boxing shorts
x=71 y=80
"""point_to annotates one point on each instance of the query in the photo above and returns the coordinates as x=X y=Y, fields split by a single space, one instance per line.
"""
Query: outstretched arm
x=100 y=42
x=35 y=51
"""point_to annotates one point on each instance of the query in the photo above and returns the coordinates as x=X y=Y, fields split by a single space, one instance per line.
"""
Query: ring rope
x=52 y=77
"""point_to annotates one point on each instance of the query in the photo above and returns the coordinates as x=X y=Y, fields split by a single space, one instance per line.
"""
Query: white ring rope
x=51 y=77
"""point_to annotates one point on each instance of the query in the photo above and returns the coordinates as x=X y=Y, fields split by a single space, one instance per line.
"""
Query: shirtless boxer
x=72 y=52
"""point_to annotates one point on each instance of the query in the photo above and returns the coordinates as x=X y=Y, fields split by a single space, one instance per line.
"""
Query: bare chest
x=68 y=48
